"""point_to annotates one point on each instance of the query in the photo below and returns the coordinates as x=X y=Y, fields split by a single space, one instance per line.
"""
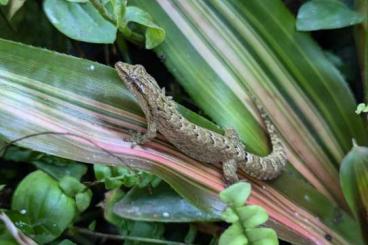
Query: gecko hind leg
x=229 y=168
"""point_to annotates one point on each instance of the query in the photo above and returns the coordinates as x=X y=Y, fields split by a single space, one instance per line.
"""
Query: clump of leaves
x=43 y=207
x=244 y=219
x=115 y=177
x=105 y=19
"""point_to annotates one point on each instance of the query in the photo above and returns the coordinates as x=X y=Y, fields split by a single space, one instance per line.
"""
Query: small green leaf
x=79 y=21
x=101 y=171
x=83 y=199
x=252 y=215
x=233 y=236
x=47 y=209
x=71 y=186
x=262 y=236
x=4 y=2
x=2 y=187
x=326 y=14
x=229 y=215
x=236 y=194
x=92 y=225
x=361 y=108
x=154 y=35
x=354 y=183
x=55 y=166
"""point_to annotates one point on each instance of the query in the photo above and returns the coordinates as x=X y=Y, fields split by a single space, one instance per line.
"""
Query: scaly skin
x=197 y=142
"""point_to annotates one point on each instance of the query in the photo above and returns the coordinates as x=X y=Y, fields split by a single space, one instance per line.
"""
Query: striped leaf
x=222 y=50
x=89 y=111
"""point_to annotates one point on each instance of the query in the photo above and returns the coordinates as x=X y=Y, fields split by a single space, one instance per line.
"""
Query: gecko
x=197 y=142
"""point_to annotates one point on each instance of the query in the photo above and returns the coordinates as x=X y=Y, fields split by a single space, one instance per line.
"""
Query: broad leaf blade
x=160 y=204
x=220 y=50
x=45 y=91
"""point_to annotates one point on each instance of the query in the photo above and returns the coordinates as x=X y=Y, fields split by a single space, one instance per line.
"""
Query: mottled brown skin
x=197 y=142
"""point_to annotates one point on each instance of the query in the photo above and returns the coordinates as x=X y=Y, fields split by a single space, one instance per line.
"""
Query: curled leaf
x=154 y=35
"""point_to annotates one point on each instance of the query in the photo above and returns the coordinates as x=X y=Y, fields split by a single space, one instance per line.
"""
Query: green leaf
x=73 y=188
x=361 y=108
x=118 y=7
x=236 y=194
x=2 y=187
x=39 y=198
x=354 y=183
x=229 y=215
x=55 y=166
x=233 y=236
x=79 y=21
x=262 y=236
x=129 y=227
x=83 y=199
x=154 y=35
x=326 y=14
x=79 y=92
x=4 y=2
x=252 y=215
x=160 y=204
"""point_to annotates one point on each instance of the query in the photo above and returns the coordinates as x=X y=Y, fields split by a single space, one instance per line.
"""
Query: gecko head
x=138 y=81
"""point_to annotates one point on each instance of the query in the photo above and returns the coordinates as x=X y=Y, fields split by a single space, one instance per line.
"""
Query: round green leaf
x=71 y=186
x=48 y=209
x=233 y=236
x=262 y=236
x=229 y=216
x=79 y=21
x=82 y=200
x=326 y=14
x=252 y=216
x=236 y=194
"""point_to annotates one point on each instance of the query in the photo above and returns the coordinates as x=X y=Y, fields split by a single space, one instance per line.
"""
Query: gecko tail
x=272 y=165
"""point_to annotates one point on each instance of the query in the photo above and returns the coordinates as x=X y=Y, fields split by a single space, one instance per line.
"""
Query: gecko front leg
x=138 y=138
